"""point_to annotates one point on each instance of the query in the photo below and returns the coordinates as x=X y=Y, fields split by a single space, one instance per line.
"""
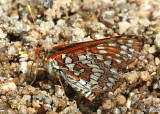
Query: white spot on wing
x=118 y=55
x=63 y=56
x=68 y=60
x=82 y=70
x=116 y=77
x=81 y=57
x=111 y=80
x=83 y=82
x=87 y=94
x=123 y=47
x=126 y=59
x=107 y=63
x=92 y=76
x=96 y=86
x=130 y=41
x=97 y=74
x=86 y=62
x=92 y=65
x=100 y=57
x=70 y=66
x=88 y=86
x=118 y=61
x=129 y=45
x=100 y=47
x=131 y=50
x=97 y=70
x=77 y=86
x=122 y=52
x=112 y=44
x=114 y=70
x=120 y=41
x=77 y=73
x=93 y=81
x=105 y=88
x=109 y=85
x=102 y=51
x=110 y=57
x=55 y=64
x=129 y=55
x=88 y=56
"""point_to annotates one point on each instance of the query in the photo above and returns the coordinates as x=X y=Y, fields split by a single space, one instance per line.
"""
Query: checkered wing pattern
x=95 y=66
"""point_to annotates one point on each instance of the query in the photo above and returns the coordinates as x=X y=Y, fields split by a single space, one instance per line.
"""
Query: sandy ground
x=65 y=21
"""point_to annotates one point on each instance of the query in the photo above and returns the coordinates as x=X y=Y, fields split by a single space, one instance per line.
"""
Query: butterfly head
x=50 y=64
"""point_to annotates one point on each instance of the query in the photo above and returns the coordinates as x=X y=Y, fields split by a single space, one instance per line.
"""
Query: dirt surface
x=60 y=22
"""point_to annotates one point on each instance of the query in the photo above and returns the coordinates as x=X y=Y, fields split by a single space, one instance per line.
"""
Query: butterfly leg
x=38 y=69
x=60 y=81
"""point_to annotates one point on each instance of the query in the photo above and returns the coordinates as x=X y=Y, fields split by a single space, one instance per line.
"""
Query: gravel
x=66 y=21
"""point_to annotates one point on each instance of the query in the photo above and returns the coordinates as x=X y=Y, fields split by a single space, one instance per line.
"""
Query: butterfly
x=94 y=66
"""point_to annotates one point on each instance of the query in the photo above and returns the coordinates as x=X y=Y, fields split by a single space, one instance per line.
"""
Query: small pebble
x=8 y=86
x=62 y=103
x=157 y=61
x=148 y=101
x=26 y=100
x=150 y=57
x=2 y=35
x=145 y=76
x=55 y=100
x=59 y=92
x=47 y=106
x=23 y=109
x=78 y=34
x=61 y=23
x=35 y=105
x=31 y=110
x=128 y=104
x=3 y=105
x=123 y=26
x=152 y=49
x=99 y=111
x=106 y=104
x=75 y=21
x=17 y=45
x=23 y=57
x=120 y=99
x=157 y=41
x=151 y=68
x=116 y=111
x=143 y=88
x=15 y=80
x=156 y=101
x=12 y=51
x=28 y=90
x=108 y=17
x=23 y=67
x=132 y=77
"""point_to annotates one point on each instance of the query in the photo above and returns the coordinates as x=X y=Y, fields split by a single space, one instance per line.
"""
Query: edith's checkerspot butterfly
x=94 y=66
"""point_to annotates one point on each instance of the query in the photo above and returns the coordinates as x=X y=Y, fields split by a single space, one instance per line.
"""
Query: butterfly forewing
x=96 y=66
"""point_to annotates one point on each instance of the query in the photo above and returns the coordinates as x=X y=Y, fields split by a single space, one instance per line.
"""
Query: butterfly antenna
x=30 y=11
